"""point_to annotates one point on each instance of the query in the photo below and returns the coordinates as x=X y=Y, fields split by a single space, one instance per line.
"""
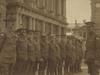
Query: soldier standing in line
x=59 y=61
x=37 y=52
x=32 y=48
x=30 y=52
x=68 y=56
x=44 y=54
x=52 y=56
x=73 y=54
x=63 y=51
x=80 y=56
x=8 y=53
x=21 y=52
x=90 y=54
x=78 y=48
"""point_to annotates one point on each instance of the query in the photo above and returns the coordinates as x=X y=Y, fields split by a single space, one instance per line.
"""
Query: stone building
x=46 y=16
x=95 y=7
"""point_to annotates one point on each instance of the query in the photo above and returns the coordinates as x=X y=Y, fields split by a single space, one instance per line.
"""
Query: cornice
x=38 y=11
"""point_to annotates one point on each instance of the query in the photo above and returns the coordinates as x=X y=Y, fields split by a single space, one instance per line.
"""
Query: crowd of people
x=27 y=52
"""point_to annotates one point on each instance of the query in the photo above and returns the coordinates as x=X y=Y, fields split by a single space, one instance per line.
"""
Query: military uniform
x=90 y=54
x=68 y=59
x=8 y=54
x=44 y=54
x=33 y=53
x=21 y=53
x=53 y=57
x=73 y=54
x=79 y=54
x=60 y=59
x=62 y=47
x=37 y=53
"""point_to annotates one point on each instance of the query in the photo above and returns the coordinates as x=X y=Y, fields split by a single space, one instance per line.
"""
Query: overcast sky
x=78 y=9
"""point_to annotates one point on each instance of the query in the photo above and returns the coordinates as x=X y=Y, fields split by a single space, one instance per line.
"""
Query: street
x=82 y=73
x=84 y=70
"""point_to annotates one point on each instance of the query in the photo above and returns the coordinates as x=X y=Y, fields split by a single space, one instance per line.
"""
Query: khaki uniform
x=44 y=55
x=53 y=58
x=33 y=55
x=90 y=55
x=8 y=55
x=22 y=55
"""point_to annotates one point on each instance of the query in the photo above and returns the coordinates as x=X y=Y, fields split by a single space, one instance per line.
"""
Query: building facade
x=95 y=7
x=46 y=16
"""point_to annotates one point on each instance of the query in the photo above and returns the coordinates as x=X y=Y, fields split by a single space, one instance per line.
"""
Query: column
x=34 y=3
x=51 y=7
x=44 y=5
x=59 y=6
x=64 y=10
x=52 y=28
x=19 y=21
x=54 y=6
x=44 y=30
x=30 y=23
x=48 y=5
x=59 y=30
x=41 y=26
x=34 y=24
x=37 y=3
x=49 y=28
x=40 y=3
x=62 y=31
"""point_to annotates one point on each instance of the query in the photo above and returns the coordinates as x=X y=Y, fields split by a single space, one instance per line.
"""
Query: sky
x=78 y=10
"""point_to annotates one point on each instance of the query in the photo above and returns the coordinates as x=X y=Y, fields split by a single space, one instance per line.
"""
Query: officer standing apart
x=90 y=54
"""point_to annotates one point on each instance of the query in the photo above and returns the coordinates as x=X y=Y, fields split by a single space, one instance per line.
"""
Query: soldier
x=60 y=59
x=68 y=59
x=90 y=55
x=30 y=53
x=72 y=53
x=53 y=56
x=8 y=53
x=44 y=54
x=62 y=47
x=79 y=54
x=21 y=49
x=32 y=50
x=37 y=52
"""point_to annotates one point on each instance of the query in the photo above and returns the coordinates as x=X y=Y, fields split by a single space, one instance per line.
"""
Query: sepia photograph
x=49 y=37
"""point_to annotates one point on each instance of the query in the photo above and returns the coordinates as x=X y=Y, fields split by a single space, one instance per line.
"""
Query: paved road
x=84 y=71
